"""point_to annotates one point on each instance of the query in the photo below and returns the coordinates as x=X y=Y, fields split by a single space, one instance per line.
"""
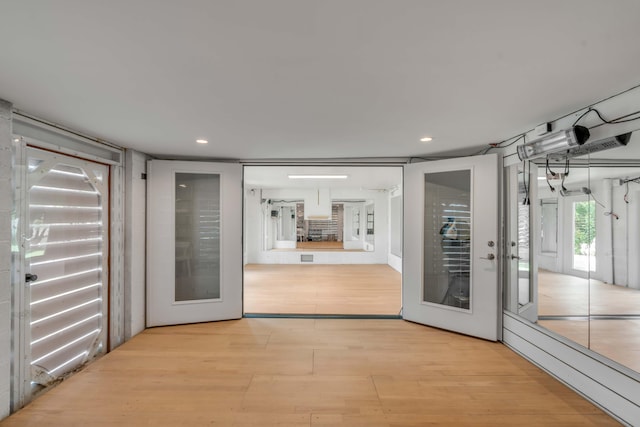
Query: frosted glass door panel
x=197 y=236
x=447 y=221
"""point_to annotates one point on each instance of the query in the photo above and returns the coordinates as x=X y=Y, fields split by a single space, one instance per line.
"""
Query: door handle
x=490 y=257
x=515 y=257
x=30 y=277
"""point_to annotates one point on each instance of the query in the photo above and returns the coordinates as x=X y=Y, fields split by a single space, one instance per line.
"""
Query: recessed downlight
x=202 y=141
x=426 y=139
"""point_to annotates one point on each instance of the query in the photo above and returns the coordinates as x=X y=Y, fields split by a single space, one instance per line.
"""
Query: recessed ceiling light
x=426 y=139
x=202 y=141
x=318 y=176
x=16 y=139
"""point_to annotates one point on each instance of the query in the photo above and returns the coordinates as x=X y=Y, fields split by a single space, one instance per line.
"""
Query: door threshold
x=319 y=316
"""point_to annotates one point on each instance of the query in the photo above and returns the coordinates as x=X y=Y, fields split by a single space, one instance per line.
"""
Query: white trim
x=64 y=140
x=116 y=266
x=607 y=384
x=21 y=331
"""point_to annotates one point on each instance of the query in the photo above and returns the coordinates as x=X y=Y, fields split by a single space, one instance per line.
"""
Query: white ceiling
x=313 y=79
x=358 y=178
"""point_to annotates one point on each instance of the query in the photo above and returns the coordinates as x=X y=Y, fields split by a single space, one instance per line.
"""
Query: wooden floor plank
x=322 y=289
x=309 y=372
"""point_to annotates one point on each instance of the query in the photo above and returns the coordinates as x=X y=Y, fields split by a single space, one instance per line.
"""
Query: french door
x=450 y=256
x=61 y=249
x=450 y=271
x=194 y=242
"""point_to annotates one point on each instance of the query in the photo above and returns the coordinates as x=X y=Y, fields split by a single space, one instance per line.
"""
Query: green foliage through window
x=584 y=227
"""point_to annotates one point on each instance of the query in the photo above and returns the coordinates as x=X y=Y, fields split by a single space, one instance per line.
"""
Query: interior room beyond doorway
x=322 y=240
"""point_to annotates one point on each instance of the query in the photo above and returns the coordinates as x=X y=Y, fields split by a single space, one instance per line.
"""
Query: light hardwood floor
x=564 y=295
x=309 y=372
x=322 y=289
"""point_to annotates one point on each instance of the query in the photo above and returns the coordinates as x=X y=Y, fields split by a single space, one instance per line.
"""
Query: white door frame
x=512 y=257
x=21 y=372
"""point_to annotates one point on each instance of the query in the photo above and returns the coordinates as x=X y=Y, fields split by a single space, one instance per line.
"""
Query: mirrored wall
x=574 y=247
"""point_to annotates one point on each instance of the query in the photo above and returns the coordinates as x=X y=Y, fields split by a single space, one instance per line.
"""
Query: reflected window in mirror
x=587 y=274
x=549 y=226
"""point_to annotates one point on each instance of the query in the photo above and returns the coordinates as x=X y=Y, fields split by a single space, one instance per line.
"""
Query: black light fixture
x=553 y=143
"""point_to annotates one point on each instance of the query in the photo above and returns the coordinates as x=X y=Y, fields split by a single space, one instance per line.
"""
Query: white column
x=6 y=206
x=604 y=234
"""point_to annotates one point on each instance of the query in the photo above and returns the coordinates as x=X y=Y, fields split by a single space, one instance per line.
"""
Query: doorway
x=61 y=256
x=478 y=316
x=322 y=240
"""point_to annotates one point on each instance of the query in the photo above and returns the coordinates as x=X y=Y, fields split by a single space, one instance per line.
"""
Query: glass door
x=194 y=242
x=450 y=267
x=521 y=275
x=65 y=246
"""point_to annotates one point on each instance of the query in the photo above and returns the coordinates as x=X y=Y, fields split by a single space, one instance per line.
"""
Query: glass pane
x=584 y=236
x=524 y=283
x=197 y=236
x=447 y=238
x=319 y=231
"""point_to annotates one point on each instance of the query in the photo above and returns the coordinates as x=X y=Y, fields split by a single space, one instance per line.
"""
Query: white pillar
x=604 y=235
x=6 y=206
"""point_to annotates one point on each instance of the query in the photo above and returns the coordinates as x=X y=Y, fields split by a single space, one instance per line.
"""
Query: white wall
x=6 y=203
x=135 y=246
x=395 y=231
x=252 y=226
x=634 y=243
x=550 y=261
x=626 y=236
x=255 y=225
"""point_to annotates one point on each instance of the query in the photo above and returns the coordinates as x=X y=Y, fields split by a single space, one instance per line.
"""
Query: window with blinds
x=67 y=251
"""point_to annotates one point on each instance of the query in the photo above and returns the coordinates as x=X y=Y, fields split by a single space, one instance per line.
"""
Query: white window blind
x=67 y=250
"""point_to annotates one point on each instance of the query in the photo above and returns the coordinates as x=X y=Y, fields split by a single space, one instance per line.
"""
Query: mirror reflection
x=586 y=245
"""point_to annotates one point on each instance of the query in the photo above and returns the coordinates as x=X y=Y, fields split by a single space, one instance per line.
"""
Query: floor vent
x=306 y=258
